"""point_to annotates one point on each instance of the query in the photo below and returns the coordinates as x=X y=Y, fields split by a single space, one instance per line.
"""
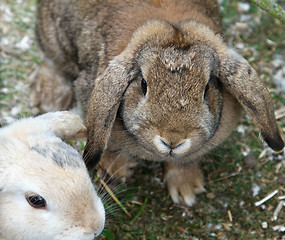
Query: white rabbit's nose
x=91 y=235
x=94 y=226
x=94 y=232
x=175 y=147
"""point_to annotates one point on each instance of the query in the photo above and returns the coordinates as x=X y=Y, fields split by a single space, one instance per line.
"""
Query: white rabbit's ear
x=243 y=83
x=103 y=106
x=64 y=124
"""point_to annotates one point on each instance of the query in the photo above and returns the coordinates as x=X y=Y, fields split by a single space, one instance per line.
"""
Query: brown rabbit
x=158 y=80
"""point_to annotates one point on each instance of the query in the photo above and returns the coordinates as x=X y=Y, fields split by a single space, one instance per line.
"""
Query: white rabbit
x=45 y=189
x=157 y=79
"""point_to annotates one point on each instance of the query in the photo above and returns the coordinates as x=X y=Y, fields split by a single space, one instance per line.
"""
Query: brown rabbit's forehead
x=185 y=71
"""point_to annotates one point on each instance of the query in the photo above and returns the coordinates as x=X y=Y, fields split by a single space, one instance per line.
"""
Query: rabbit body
x=35 y=162
x=81 y=37
x=154 y=81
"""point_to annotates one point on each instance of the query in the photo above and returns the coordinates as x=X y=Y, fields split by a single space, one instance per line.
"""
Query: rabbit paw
x=117 y=165
x=50 y=91
x=184 y=182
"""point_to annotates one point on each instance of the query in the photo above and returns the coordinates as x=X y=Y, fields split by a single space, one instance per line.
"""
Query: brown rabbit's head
x=168 y=84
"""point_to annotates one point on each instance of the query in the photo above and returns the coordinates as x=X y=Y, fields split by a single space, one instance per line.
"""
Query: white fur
x=31 y=161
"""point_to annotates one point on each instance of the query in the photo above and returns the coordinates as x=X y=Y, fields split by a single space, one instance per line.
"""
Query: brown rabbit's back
x=81 y=37
x=75 y=33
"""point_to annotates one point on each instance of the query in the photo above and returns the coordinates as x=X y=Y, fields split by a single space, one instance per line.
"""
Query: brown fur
x=107 y=48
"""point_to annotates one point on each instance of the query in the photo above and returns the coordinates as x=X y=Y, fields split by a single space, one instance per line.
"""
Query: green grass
x=201 y=220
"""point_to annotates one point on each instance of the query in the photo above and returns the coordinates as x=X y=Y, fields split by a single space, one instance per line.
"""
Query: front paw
x=117 y=165
x=184 y=182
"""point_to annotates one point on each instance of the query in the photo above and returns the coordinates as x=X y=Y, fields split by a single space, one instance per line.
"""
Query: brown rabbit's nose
x=170 y=146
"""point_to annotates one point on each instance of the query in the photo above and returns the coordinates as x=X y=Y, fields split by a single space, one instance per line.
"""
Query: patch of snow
x=5 y=90
x=279 y=228
x=218 y=227
x=279 y=80
x=245 y=18
x=264 y=225
x=26 y=19
x=255 y=189
x=240 y=129
x=7 y=120
x=16 y=110
x=4 y=41
x=210 y=225
x=278 y=61
x=239 y=46
x=244 y=153
x=280 y=157
x=263 y=207
x=7 y=14
x=24 y=44
x=259 y=175
x=243 y=7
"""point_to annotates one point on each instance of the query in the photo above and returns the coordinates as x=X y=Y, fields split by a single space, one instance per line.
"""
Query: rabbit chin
x=74 y=234
x=46 y=230
x=23 y=226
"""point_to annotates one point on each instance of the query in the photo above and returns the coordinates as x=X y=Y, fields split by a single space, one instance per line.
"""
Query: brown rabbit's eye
x=144 y=86
x=206 y=91
x=36 y=201
x=212 y=81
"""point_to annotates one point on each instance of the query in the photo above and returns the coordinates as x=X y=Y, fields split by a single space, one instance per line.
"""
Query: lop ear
x=103 y=106
x=64 y=124
x=243 y=83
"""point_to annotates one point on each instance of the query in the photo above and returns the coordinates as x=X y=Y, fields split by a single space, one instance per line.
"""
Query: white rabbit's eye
x=144 y=86
x=36 y=201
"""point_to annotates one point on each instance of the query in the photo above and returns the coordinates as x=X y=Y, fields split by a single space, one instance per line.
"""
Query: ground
x=238 y=174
